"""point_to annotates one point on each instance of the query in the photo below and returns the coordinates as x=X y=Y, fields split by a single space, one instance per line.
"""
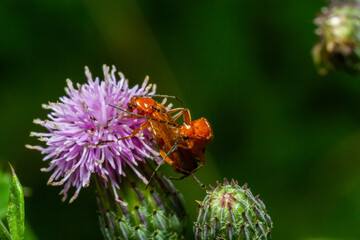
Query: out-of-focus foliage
x=246 y=66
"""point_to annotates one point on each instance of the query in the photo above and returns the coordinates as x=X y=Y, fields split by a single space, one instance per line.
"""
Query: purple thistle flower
x=83 y=131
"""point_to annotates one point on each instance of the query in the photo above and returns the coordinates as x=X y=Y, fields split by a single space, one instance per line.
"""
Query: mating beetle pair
x=181 y=145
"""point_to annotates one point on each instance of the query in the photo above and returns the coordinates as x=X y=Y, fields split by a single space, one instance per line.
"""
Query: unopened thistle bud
x=232 y=212
x=339 y=31
x=155 y=213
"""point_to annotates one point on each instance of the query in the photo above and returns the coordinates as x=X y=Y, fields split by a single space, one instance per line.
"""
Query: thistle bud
x=155 y=213
x=232 y=212
x=339 y=31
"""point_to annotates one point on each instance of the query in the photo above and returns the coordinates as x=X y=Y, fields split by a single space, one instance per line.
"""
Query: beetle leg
x=187 y=116
x=180 y=178
x=174 y=147
x=136 y=131
x=183 y=112
x=142 y=127
x=202 y=159
x=195 y=178
x=188 y=145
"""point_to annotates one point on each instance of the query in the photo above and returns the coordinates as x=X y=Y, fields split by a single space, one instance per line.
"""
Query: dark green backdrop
x=293 y=136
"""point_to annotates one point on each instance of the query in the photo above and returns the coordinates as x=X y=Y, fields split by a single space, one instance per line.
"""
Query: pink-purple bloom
x=83 y=130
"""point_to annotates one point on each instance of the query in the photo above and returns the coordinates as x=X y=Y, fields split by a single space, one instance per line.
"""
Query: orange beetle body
x=196 y=136
x=146 y=106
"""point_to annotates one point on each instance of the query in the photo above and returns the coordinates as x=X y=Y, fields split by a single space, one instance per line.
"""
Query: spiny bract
x=232 y=212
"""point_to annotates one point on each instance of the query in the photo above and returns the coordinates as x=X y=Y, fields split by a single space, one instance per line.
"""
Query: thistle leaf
x=5 y=180
x=4 y=234
x=16 y=209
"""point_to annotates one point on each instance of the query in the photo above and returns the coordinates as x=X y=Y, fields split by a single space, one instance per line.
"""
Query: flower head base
x=83 y=132
x=154 y=213
x=339 y=44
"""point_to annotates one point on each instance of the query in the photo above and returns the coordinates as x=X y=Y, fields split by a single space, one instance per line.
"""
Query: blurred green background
x=292 y=135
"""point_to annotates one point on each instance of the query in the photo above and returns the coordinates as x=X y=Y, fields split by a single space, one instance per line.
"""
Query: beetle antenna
x=163 y=96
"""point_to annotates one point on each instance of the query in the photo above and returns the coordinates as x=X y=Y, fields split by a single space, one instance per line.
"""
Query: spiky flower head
x=339 y=31
x=83 y=130
x=232 y=212
x=154 y=213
